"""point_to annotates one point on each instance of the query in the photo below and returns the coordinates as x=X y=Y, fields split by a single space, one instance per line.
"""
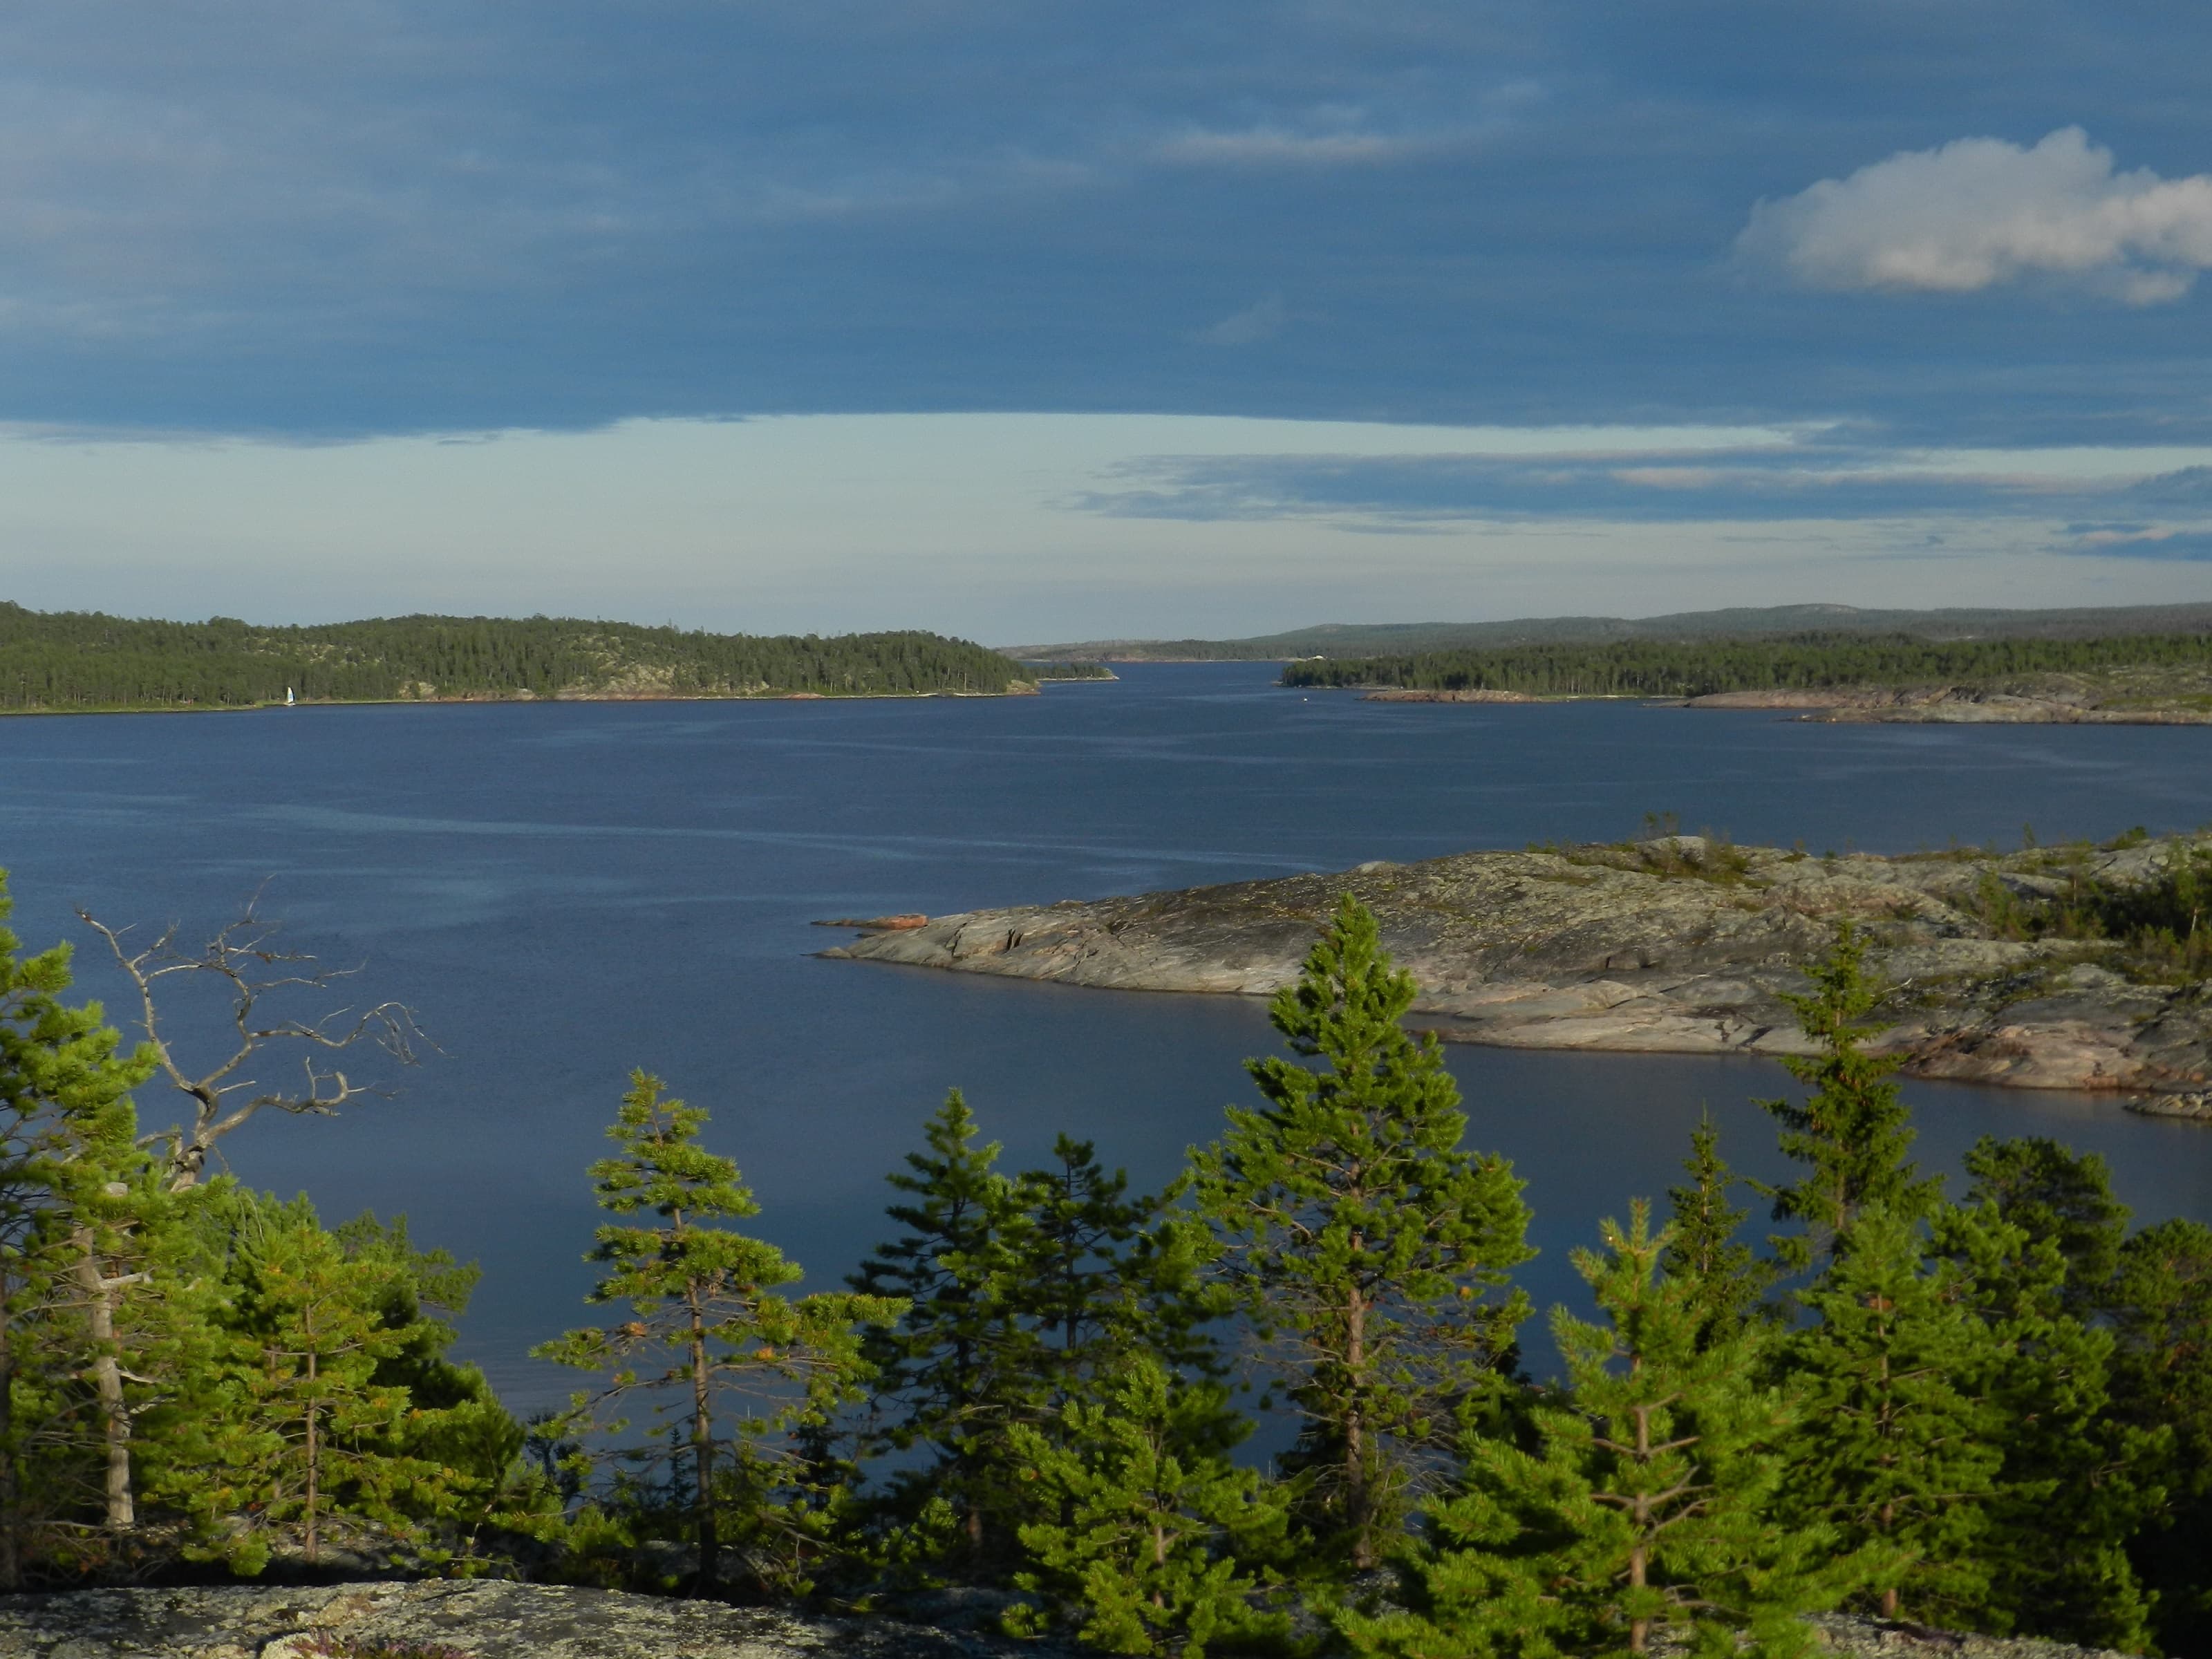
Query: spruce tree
x=1079 y=1221
x=1703 y=1249
x=1154 y=1531
x=1852 y=1132
x=2161 y=1377
x=706 y=1323
x=2053 y=1193
x=1645 y=1517
x=1371 y=1250
x=2075 y=1483
x=965 y=1363
x=1898 y=1452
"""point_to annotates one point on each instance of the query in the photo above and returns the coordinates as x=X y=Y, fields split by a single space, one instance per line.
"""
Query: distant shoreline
x=1859 y=705
x=526 y=699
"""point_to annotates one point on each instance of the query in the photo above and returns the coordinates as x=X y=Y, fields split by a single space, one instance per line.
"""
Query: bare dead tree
x=244 y=958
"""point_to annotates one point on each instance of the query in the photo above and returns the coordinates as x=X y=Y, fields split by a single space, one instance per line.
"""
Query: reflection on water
x=567 y=890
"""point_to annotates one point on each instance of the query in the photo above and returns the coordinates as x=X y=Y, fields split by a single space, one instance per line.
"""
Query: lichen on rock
x=483 y=1620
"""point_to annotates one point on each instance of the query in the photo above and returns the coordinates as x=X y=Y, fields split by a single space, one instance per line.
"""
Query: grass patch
x=2159 y=925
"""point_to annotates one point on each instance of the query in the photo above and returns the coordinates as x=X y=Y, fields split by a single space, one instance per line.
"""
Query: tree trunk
x=1357 y=1498
x=106 y=1381
x=702 y=1450
x=188 y=1157
x=1639 y=1557
x=11 y=1563
x=314 y=1463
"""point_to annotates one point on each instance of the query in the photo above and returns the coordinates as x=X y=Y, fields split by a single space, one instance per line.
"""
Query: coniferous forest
x=1795 y=662
x=1987 y=1409
x=84 y=660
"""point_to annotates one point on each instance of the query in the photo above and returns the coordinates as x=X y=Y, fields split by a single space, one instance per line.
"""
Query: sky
x=1032 y=323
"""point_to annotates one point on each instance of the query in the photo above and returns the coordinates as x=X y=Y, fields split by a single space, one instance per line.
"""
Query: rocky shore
x=1399 y=693
x=1674 y=944
x=2051 y=701
x=477 y=1619
x=1964 y=705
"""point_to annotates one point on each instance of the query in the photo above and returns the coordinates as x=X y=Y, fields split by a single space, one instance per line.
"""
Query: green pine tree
x=1852 y=1132
x=1372 y=1252
x=968 y=1361
x=1101 y=1274
x=1702 y=1247
x=2161 y=1377
x=1645 y=1518
x=309 y=1438
x=2077 y=1483
x=708 y=1333
x=64 y=1108
x=1898 y=1449
x=1154 y=1528
x=2053 y=1193
x=454 y=1419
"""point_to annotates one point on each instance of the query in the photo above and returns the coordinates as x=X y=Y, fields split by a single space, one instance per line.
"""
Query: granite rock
x=1671 y=945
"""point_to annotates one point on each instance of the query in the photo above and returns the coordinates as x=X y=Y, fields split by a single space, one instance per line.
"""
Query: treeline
x=1992 y=1413
x=82 y=659
x=1798 y=662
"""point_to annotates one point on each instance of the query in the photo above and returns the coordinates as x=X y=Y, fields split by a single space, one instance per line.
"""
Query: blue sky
x=1351 y=312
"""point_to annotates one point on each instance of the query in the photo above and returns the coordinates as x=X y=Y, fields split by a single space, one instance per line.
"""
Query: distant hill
x=79 y=660
x=1396 y=639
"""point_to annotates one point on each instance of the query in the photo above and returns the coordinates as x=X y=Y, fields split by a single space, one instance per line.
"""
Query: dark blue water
x=566 y=891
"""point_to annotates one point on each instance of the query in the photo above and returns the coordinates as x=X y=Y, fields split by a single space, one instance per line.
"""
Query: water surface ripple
x=569 y=891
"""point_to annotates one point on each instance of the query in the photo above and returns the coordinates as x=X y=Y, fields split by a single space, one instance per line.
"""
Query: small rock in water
x=2196 y=1105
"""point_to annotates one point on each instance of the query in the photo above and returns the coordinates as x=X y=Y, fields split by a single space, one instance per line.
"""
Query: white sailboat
x=288 y=698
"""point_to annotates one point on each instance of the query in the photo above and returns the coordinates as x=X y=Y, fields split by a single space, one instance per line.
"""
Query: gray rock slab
x=1674 y=944
x=485 y=1621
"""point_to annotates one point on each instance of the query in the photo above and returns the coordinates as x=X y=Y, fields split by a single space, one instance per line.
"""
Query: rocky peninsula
x=2071 y=968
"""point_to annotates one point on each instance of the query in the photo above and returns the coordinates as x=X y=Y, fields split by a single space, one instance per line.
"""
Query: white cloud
x=1979 y=212
x=1250 y=327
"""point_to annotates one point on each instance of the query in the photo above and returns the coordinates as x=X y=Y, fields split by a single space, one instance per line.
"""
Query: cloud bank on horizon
x=1945 y=259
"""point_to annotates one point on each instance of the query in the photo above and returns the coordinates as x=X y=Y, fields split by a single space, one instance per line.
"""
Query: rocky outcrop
x=2195 y=1106
x=482 y=1620
x=1674 y=944
x=1875 y=1639
x=1399 y=694
x=2084 y=704
x=445 y=1621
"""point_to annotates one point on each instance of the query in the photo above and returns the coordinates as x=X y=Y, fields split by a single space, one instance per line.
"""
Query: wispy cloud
x=1255 y=323
x=1980 y=212
x=1818 y=478
x=2124 y=541
x=1271 y=146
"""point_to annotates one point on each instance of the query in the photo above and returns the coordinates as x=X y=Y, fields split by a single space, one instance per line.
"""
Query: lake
x=567 y=890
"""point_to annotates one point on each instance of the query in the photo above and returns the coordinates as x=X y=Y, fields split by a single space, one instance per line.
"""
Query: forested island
x=57 y=661
x=2148 y=676
x=1988 y=1411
